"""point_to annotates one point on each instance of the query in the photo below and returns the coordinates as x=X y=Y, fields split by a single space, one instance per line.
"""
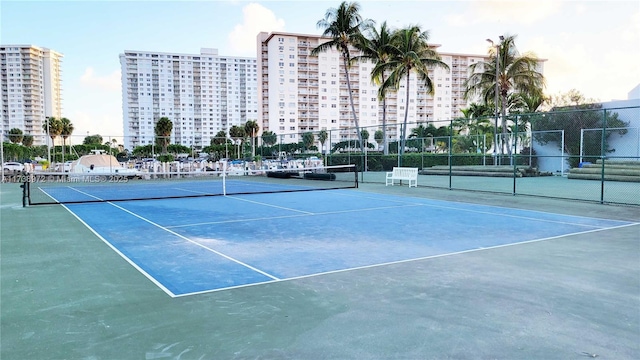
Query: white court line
x=131 y=262
x=498 y=213
x=195 y=242
x=84 y=193
x=271 y=205
x=409 y=260
x=289 y=216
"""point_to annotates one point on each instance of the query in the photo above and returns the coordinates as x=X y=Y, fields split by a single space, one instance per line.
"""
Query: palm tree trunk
x=385 y=143
x=503 y=111
x=353 y=108
x=406 y=115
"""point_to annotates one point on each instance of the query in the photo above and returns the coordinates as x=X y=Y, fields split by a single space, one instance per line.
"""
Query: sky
x=590 y=46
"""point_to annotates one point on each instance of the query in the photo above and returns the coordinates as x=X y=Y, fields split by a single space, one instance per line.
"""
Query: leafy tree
x=269 y=138
x=572 y=119
x=343 y=25
x=307 y=140
x=15 y=135
x=219 y=139
x=379 y=137
x=143 y=151
x=92 y=139
x=349 y=144
x=514 y=73
x=376 y=46
x=178 y=149
x=163 y=129
x=27 y=140
x=364 y=135
x=410 y=53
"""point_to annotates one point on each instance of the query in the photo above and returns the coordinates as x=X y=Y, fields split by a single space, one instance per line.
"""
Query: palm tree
x=67 y=130
x=53 y=127
x=375 y=46
x=322 y=138
x=251 y=128
x=410 y=53
x=422 y=132
x=163 y=129
x=237 y=133
x=343 y=25
x=517 y=74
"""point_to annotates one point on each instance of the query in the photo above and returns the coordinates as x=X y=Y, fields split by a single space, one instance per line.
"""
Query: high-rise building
x=201 y=94
x=303 y=93
x=31 y=89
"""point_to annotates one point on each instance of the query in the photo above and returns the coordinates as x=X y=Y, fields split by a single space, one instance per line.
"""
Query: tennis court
x=198 y=245
x=372 y=272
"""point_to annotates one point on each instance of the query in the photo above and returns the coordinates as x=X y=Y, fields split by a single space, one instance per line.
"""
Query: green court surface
x=65 y=294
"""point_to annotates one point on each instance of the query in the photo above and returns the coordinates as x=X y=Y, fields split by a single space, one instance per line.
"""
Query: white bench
x=403 y=173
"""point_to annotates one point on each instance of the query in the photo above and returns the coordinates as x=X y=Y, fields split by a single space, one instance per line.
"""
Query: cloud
x=88 y=122
x=256 y=18
x=109 y=82
x=604 y=67
x=504 y=12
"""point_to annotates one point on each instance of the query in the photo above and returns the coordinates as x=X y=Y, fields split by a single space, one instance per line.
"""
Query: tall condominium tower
x=200 y=93
x=31 y=89
x=301 y=93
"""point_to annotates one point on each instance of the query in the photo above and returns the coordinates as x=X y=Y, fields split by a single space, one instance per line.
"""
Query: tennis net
x=46 y=188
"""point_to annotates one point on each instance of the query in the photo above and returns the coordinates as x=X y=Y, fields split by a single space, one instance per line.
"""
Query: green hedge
x=379 y=162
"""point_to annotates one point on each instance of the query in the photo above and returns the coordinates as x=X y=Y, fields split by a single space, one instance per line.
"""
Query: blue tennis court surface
x=196 y=245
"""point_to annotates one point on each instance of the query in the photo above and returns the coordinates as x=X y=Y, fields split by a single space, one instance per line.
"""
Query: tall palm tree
x=322 y=138
x=237 y=133
x=53 y=128
x=410 y=52
x=375 y=46
x=163 y=129
x=251 y=129
x=516 y=73
x=343 y=25
x=67 y=130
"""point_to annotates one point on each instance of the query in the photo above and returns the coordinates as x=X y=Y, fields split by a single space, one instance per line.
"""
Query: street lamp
x=495 y=145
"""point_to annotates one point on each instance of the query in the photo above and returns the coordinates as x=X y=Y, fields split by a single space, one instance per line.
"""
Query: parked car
x=66 y=167
x=12 y=166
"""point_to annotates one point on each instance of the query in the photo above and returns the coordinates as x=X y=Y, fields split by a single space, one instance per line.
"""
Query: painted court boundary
x=306 y=213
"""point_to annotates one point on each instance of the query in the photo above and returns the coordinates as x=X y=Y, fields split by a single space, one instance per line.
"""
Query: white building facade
x=302 y=93
x=31 y=89
x=201 y=94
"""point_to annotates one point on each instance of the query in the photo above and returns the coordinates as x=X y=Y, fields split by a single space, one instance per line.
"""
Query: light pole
x=497 y=112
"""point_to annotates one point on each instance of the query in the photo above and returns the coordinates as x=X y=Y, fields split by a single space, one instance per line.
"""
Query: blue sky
x=592 y=46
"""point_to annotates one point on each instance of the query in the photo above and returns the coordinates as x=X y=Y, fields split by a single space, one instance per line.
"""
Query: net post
x=355 y=172
x=224 y=178
x=25 y=189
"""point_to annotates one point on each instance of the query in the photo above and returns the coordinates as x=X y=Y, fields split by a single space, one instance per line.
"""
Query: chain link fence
x=587 y=154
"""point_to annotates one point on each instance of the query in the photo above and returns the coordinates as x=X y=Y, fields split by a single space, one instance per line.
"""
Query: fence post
x=602 y=153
